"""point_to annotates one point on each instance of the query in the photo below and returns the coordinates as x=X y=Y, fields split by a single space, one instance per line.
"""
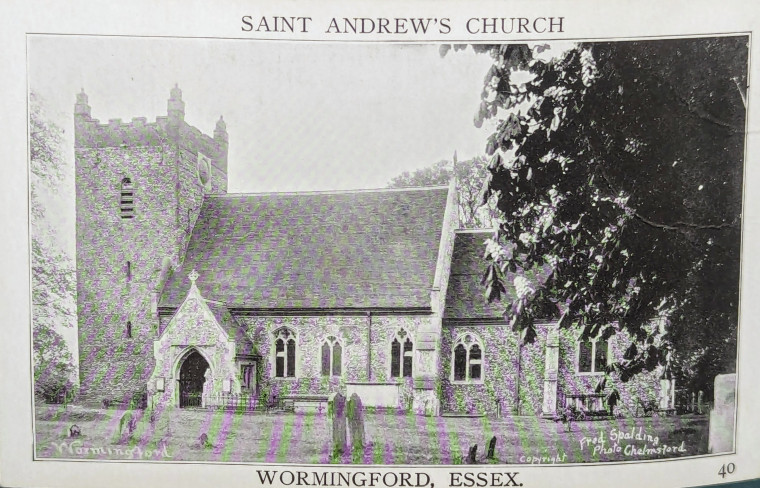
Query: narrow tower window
x=129 y=270
x=127 y=199
x=129 y=329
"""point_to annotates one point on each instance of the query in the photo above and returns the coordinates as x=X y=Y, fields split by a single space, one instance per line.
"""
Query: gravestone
x=356 y=422
x=472 y=454
x=336 y=408
x=551 y=371
x=127 y=423
x=667 y=389
x=723 y=415
x=127 y=427
x=491 y=448
x=204 y=442
x=693 y=402
x=700 y=402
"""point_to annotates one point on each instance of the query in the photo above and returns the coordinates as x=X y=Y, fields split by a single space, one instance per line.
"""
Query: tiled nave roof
x=358 y=249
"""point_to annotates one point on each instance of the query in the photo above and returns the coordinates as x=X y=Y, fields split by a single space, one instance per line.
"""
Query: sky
x=300 y=116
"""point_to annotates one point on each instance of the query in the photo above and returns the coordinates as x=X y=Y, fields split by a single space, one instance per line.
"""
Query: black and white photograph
x=385 y=253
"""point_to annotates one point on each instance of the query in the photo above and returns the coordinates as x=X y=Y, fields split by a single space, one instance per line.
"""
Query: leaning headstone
x=491 y=448
x=723 y=415
x=472 y=454
x=336 y=408
x=127 y=423
x=356 y=422
x=127 y=426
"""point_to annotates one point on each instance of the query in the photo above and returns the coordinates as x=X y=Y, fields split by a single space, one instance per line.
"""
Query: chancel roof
x=465 y=296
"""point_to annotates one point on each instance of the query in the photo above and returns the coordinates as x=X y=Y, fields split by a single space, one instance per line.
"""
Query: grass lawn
x=391 y=438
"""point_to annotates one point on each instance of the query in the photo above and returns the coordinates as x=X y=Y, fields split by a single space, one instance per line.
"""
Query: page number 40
x=726 y=469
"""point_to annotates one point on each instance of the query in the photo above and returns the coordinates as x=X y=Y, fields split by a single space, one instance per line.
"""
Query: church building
x=191 y=296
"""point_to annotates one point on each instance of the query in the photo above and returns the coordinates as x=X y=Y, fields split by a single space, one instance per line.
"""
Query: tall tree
x=618 y=169
x=53 y=275
x=470 y=175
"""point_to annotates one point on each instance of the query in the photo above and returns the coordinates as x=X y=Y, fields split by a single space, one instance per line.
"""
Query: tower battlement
x=167 y=129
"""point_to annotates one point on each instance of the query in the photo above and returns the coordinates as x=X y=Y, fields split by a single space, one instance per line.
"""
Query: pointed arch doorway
x=192 y=375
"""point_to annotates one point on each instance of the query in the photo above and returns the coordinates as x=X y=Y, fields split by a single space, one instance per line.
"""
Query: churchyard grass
x=391 y=438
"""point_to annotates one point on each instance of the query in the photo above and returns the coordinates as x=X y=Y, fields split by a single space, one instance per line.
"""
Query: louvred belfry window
x=127 y=199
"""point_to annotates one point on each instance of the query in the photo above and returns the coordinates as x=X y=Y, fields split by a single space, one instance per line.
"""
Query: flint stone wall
x=355 y=336
x=500 y=366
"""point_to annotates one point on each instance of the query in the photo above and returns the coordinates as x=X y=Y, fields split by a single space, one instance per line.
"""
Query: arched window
x=284 y=353
x=129 y=270
x=467 y=359
x=127 y=199
x=332 y=357
x=593 y=355
x=128 y=331
x=402 y=355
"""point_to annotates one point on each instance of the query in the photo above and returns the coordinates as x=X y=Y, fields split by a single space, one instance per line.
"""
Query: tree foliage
x=618 y=170
x=470 y=175
x=53 y=275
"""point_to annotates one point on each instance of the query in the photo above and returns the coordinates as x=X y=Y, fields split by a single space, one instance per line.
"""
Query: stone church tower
x=139 y=188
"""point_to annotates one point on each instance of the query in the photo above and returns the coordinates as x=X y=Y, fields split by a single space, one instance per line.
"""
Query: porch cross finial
x=193 y=276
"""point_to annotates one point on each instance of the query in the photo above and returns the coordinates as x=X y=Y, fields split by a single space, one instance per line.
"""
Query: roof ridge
x=329 y=192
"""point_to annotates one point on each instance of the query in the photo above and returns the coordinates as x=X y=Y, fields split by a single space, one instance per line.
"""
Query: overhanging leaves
x=619 y=167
